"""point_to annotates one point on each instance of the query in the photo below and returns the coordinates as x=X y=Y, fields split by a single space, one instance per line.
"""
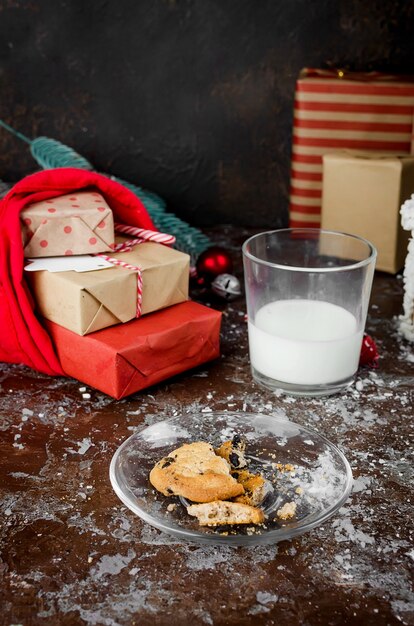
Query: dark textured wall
x=190 y=98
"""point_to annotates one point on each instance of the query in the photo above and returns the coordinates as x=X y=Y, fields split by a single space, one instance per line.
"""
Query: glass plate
x=319 y=482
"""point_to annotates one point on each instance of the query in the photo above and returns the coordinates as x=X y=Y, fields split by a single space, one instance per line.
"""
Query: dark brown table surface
x=71 y=553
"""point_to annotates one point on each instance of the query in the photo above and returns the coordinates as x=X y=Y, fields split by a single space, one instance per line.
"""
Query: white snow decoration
x=407 y=319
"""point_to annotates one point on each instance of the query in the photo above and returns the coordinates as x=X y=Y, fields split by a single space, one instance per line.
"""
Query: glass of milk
x=307 y=294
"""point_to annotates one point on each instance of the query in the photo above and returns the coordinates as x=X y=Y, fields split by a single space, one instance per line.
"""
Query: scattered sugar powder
x=83 y=446
x=346 y=531
x=112 y=564
x=265 y=598
x=323 y=483
x=163 y=433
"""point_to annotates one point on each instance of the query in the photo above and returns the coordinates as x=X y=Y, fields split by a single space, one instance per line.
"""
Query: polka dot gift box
x=80 y=223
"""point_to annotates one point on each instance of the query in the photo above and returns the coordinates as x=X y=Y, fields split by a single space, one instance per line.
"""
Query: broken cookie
x=255 y=487
x=195 y=472
x=233 y=452
x=220 y=513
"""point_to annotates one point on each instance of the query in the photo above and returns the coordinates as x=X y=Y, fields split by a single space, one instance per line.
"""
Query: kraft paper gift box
x=337 y=110
x=85 y=302
x=78 y=223
x=362 y=195
x=129 y=357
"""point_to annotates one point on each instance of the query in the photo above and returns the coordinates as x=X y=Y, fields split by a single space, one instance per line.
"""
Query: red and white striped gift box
x=337 y=110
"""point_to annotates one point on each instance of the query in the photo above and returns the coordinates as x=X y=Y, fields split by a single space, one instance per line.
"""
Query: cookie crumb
x=284 y=467
x=171 y=507
x=287 y=511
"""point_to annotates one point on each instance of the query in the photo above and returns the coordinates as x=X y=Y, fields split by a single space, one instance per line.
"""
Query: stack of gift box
x=114 y=299
x=352 y=158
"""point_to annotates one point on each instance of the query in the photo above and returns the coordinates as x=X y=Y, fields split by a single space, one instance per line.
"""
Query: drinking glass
x=307 y=294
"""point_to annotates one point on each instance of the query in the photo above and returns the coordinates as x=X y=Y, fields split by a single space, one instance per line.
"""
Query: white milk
x=305 y=342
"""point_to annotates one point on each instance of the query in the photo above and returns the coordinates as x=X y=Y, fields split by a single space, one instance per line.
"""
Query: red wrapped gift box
x=337 y=110
x=126 y=358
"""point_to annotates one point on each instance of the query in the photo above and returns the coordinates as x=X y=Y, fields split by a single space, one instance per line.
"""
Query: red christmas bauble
x=369 y=352
x=212 y=262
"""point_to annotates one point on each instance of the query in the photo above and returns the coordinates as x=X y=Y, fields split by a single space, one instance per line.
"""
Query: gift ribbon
x=141 y=236
x=147 y=235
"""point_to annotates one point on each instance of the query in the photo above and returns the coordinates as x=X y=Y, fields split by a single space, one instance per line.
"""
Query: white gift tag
x=78 y=263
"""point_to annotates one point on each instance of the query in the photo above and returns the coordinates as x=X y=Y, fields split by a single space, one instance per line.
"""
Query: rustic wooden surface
x=71 y=553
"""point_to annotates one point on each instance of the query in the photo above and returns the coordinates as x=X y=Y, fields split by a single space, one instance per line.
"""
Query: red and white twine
x=142 y=235
x=147 y=235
